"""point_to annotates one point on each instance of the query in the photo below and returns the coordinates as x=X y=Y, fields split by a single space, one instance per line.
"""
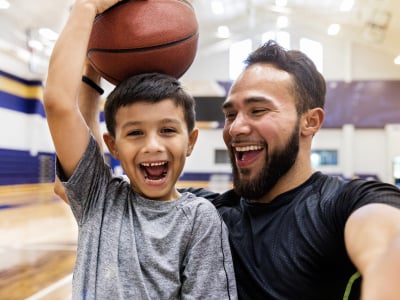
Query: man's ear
x=110 y=143
x=192 y=141
x=312 y=121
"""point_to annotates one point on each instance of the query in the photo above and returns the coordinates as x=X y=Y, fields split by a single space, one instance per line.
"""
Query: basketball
x=142 y=36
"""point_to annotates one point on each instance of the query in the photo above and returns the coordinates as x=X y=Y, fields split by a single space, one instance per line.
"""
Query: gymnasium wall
x=26 y=152
x=361 y=127
x=364 y=134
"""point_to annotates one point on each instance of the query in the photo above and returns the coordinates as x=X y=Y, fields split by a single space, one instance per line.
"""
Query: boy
x=142 y=240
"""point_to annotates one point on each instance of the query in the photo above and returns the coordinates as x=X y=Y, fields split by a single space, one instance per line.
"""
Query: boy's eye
x=135 y=132
x=168 y=130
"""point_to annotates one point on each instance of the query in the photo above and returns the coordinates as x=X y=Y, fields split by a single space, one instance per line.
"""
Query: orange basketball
x=142 y=36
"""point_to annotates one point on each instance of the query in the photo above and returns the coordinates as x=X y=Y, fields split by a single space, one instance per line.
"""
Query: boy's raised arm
x=68 y=129
x=89 y=106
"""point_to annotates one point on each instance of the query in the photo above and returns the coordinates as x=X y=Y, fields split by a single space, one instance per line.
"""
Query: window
x=221 y=156
x=324 y=158
x=281 y=37
x=314 y=51
x=238 y=52
x=396 y=167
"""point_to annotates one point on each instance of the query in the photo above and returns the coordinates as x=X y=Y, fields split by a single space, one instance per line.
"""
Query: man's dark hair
x=309 y=84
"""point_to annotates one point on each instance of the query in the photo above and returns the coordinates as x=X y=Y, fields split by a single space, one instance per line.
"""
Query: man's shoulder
x=226 y=199
x=200 y=192
x=326 y=184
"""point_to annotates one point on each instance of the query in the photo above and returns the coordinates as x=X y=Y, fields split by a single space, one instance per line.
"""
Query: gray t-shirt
x=130 y=247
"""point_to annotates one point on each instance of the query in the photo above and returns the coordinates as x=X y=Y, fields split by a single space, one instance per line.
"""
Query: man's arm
x=68 y=129
x=372 y=236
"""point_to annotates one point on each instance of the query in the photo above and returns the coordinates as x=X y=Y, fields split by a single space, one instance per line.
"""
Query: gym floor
x=37 y=244
x=38 y=235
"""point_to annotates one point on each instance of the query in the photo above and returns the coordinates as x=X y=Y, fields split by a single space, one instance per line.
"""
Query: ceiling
x=373 y=23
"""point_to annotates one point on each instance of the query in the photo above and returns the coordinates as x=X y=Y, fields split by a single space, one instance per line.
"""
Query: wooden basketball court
x=37 y=244
x=38 y=235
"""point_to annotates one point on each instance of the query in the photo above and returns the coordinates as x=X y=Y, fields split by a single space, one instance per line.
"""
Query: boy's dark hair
x=151 y=88
x=309 y=84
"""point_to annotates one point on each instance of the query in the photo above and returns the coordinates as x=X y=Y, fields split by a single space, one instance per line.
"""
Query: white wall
x=364 y=151
x=20 y=131
x=360 y=151
x=202 y=158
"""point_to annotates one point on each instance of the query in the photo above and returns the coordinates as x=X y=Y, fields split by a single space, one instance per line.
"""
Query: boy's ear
x=192 y=141
x=312 y=121
x=110 y=142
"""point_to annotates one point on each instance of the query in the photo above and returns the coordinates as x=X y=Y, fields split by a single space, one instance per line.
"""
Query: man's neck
x=296 y=176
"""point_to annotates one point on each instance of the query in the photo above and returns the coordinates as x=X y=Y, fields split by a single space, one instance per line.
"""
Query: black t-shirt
x=293 y=247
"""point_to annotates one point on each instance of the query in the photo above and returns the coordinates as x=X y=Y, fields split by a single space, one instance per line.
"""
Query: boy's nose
x=153 y=144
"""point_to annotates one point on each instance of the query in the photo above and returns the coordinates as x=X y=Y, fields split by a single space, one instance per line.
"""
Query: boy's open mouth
x=154 y=170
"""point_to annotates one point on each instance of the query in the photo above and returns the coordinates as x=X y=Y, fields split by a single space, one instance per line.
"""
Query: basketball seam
x=143 y=49
x=187 y=2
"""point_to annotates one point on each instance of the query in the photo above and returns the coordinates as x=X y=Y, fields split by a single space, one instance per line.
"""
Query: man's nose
x=239 y=126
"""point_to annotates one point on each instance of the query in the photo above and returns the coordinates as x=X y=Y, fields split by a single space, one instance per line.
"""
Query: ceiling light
x=36 y=45
x=4 y=4
x=48 y=34
x=346 y=5
x=280 y=2
x=397 y=60
x=217 y=7
x=282 y=22
x=223 y=32
x=333 y=29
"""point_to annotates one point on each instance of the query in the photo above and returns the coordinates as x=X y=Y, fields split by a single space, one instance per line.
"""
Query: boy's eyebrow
x=130 y=123
x=170 y=120
x=163 y=121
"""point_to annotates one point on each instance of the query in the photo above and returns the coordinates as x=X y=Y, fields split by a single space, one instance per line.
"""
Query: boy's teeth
x=153 y=164
x=248 y=148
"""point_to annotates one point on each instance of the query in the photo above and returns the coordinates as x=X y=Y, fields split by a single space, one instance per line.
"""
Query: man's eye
x=229 y=115
x=257 y=111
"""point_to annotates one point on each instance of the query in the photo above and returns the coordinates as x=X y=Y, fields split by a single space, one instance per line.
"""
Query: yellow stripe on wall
x=20 y=89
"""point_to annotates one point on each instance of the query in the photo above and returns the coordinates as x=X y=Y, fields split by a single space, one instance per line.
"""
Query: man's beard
x=276 y=165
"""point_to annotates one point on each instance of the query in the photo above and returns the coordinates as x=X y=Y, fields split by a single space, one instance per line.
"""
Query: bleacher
x=20 y=167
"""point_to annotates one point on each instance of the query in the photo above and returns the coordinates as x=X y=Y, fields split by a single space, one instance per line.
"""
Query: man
x=296 y=233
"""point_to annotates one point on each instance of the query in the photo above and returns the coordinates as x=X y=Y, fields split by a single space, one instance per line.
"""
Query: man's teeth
x=248 y=148
x=153 y=164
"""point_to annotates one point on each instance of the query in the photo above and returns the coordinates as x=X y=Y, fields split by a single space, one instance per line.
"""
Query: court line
x=51 y=288
x=26 y=203
x=45 y=247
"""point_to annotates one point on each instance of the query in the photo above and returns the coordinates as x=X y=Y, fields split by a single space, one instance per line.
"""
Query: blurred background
x=354 y=43
x=29 y=29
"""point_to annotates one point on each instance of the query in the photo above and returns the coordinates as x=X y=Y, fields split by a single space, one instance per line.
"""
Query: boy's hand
x=99 y=5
